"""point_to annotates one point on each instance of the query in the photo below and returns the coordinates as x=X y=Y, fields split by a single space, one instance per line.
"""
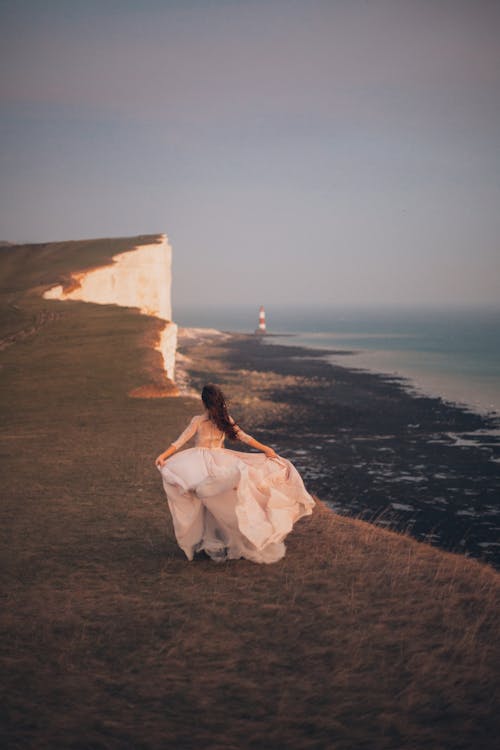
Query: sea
x=450 y=353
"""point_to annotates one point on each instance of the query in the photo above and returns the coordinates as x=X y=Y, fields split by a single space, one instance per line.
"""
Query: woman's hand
x=160 y=460
x=270 y=453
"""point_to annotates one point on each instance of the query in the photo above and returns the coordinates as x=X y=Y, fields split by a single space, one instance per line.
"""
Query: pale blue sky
x=294 y=151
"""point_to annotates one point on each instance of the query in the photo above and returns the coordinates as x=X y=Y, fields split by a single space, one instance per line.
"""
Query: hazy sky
x=294 y=151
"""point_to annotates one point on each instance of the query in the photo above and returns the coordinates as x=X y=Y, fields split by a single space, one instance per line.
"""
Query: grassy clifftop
x=27 y=270
x=23 y=267
x=359 y=638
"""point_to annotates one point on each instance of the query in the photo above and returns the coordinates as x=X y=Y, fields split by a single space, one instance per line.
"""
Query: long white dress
x=228 y=503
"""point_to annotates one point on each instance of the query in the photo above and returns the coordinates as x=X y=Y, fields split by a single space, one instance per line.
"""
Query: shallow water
x=454 y=354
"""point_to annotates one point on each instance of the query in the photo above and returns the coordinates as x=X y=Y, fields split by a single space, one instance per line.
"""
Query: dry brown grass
x=358 y=638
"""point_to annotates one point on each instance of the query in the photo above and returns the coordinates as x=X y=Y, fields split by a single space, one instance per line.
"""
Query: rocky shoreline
x=363 y=443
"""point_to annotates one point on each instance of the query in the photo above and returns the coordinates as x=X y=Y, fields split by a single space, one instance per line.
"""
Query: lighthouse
x=262 y=321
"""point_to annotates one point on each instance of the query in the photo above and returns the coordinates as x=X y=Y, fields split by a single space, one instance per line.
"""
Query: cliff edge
x=142 y=278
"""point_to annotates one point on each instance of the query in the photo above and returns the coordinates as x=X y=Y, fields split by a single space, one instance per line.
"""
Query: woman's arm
x=249 y=440
x=160 y=460
x=186 y=435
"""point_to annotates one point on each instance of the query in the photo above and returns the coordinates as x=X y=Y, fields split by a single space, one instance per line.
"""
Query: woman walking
x=229 y=503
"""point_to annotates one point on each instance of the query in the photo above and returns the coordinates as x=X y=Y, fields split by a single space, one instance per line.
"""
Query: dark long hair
x=215 y=403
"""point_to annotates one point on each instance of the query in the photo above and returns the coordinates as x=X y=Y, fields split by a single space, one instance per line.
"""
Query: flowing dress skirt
x=233 y=504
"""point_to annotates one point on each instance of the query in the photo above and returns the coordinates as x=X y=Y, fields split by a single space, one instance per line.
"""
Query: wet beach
x=363 y=442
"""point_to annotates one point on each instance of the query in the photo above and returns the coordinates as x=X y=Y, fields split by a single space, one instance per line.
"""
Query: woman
x=228 y=503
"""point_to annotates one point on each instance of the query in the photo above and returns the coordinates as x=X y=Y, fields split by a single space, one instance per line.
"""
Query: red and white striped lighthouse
x=262 y=320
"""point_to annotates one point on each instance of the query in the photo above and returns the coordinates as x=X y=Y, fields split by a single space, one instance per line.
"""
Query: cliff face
x=138 y=278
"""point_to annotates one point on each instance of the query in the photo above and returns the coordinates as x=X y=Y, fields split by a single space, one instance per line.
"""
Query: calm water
x=454 y=354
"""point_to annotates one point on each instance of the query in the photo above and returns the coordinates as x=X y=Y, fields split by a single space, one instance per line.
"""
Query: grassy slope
x=33 y=268
x=359 y=638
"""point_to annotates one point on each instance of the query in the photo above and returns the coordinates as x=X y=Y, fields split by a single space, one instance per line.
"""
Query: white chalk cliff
x=141 y=278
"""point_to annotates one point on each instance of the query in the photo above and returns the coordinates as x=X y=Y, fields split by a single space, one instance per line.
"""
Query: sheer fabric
x=207 y=434
x=228 y=503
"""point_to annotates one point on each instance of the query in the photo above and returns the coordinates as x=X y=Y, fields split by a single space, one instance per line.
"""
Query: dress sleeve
x=243 y=436
x=187 y=434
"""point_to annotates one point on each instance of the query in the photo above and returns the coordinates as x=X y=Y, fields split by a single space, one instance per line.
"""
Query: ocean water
x=451 y=353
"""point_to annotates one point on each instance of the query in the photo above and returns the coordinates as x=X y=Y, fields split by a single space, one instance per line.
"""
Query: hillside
x=359 y=638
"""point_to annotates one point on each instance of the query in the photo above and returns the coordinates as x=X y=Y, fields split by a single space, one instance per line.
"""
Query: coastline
x=359 y=637
x=367 y=444
x=478 y=394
